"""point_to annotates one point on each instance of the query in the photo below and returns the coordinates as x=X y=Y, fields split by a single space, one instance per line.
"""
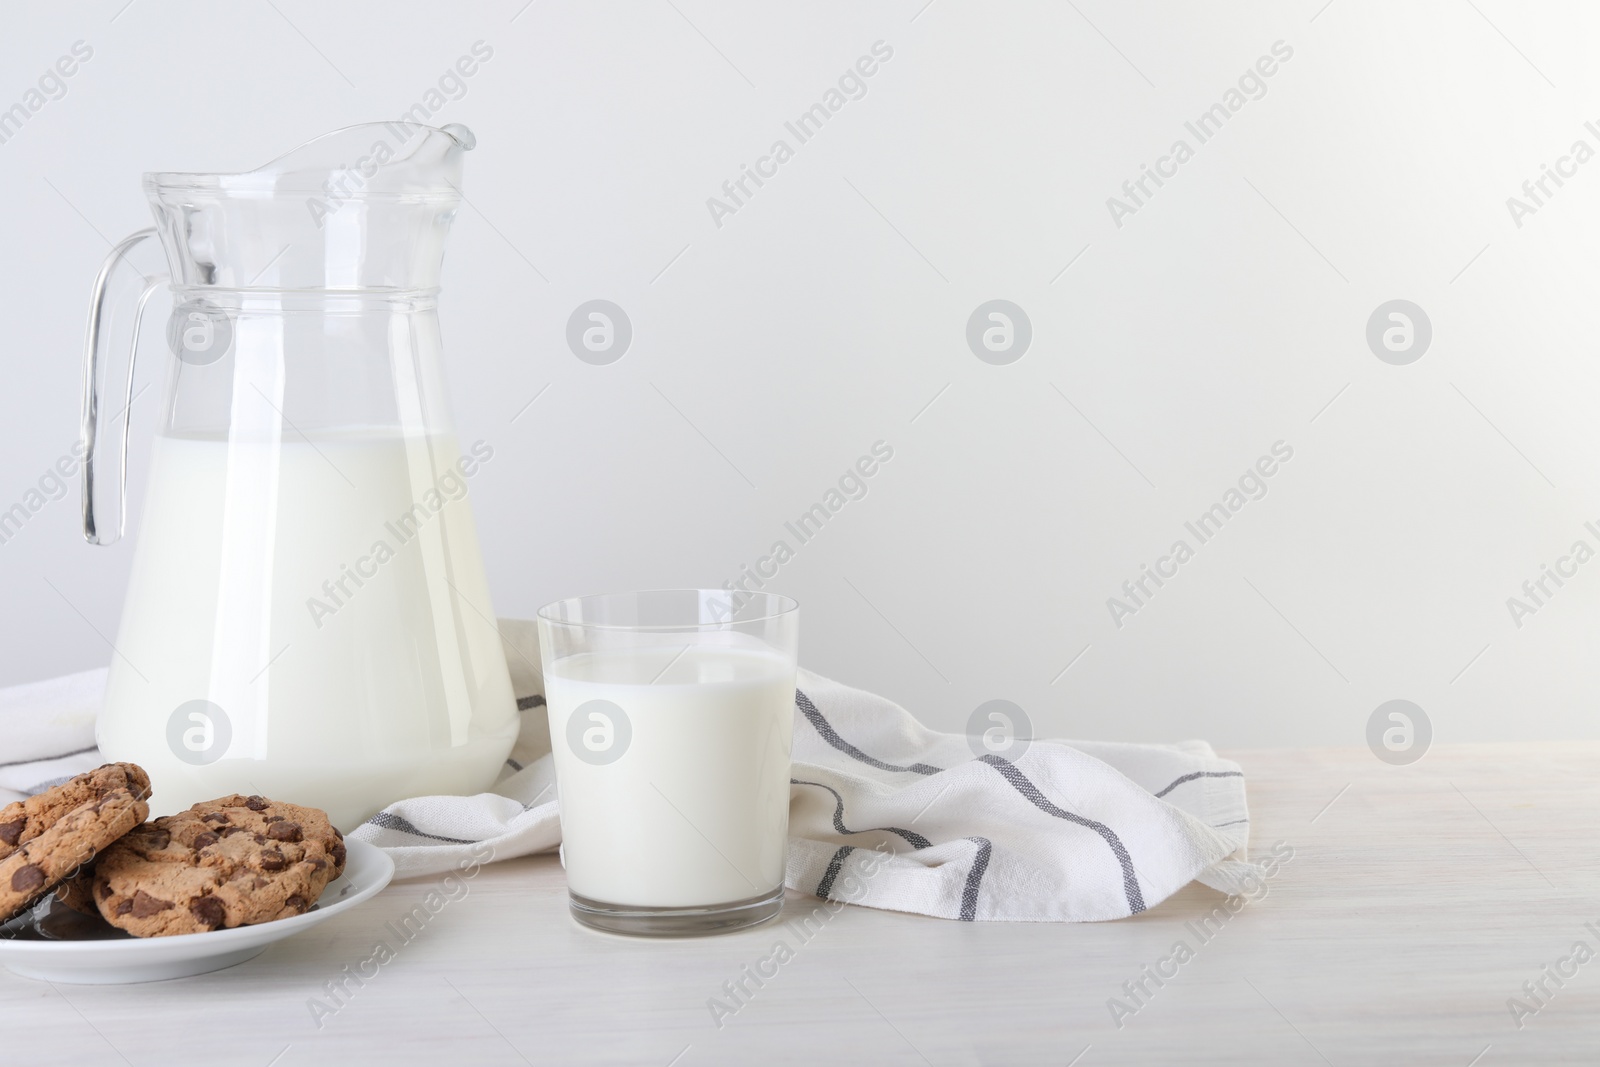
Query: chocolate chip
x=259 y=839
x=274 y=818
x=319 y=863
x=298 y=903
x=124 y=906
x=337 y=851
x=11 y=832
x=209 y=910
x=256 y=803
x=207 y=838
x=27 y=879
x=157 y=839
x=284 y=831
x=105 y=890
x=144 y=905
x=229 y=831
x=272 y=860
x=214 y=816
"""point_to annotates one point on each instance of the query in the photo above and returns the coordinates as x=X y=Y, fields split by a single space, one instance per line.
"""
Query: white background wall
x=1229 y=313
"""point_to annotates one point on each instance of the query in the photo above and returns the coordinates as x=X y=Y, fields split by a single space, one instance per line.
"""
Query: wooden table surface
x=1418 y=902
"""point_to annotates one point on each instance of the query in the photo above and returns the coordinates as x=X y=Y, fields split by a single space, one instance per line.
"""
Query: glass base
x=676 y=922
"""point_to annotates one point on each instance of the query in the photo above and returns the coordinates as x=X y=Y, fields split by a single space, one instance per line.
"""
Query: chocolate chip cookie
x=77 y=892
x=25 y=820
x=227 y=862
x=58 y=850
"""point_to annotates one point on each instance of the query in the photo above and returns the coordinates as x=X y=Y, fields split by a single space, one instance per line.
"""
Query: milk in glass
x=695 y=809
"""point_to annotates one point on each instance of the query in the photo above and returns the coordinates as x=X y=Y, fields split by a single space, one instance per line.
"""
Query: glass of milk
x=671 y=717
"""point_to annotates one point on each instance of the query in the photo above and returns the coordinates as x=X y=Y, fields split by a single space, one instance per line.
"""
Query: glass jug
x=307 y=616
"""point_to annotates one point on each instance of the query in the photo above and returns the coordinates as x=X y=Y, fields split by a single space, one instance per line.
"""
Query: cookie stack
x=228 y=862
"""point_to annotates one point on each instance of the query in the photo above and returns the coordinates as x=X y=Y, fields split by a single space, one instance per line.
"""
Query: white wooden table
x=1418 y=901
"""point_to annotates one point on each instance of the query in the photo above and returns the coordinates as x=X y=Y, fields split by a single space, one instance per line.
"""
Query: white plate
x=53 y=943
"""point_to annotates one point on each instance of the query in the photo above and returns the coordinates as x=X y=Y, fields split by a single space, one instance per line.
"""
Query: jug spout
x=365 y=207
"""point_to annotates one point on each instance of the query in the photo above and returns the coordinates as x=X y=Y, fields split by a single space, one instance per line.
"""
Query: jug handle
x=109 y=348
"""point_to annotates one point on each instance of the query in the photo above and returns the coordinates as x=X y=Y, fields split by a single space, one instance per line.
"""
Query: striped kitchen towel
x=884 y=812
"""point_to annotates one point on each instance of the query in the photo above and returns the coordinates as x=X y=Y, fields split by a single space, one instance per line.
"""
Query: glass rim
x=781 y=605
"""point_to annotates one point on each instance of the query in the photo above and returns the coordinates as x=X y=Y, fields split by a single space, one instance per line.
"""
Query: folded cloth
x=47 y=732
x=883 y=811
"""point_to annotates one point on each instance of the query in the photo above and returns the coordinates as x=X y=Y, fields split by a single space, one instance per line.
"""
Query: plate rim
x=213 y=942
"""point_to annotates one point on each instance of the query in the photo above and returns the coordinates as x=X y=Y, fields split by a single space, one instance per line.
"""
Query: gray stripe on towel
x=969 y=892
x=385 y=820
x=912 y=838
x=1199 y=774
x=1130 y=880
x=830 y=735
x=825 y=886
x=47 y=759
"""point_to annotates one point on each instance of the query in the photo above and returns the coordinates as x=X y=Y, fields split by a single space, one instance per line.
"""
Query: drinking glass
x=671 y=717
